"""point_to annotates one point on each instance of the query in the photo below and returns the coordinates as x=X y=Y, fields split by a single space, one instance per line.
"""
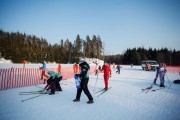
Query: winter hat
x=81 y=61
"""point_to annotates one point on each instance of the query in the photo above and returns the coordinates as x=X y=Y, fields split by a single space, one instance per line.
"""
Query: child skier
x=84 y=77
x=53 y=82
x=43 y=68
x=107 y=73
x=161 y=71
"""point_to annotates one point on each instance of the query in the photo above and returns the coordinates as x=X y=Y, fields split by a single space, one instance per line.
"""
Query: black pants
x=54 y=84
x=84 y=87
x=57 y=83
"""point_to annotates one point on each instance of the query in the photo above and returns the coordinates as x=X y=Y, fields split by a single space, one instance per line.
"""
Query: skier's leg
x=52 y=88
x=42 y=73
x=58 y=86
x=161 y=81
x=78 y=95
x=106 y=81
x=86 y=90
x=49 y=82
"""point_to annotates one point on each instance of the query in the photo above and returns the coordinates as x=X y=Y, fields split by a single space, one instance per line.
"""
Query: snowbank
x=2 y=60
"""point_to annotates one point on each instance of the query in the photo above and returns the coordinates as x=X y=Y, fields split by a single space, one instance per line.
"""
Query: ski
x=33 y=92
x=147 y=89
x=98 y=91
x=104 y=91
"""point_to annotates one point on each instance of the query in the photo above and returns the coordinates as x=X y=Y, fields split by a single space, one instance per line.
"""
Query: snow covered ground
x=124 y=101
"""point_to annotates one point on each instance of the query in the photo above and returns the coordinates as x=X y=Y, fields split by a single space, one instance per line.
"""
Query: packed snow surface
x=124 y=101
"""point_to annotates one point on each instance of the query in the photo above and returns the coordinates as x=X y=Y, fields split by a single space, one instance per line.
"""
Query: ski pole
x=95 y=83
x=32 y=97
x=168 y=80
x=39 y=87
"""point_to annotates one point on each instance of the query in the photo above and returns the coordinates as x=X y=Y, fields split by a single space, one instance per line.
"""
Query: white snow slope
x=124 y=101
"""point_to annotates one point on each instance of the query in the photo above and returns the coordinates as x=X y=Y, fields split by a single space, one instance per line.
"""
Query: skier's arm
x=102 y=68
x=83 y=73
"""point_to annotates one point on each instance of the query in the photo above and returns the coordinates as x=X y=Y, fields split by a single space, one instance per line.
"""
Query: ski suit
x=59 y=69
x=84 y=76
x=53 y=81
x=161 y=71
x=107 y=73
x=43 y=68
x=118 y=69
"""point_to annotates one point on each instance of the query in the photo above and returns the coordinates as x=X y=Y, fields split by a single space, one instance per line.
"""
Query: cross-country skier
x=118 y=69
x=84 y=76
x=107 y=74
x=53 y=82
x=161 y=71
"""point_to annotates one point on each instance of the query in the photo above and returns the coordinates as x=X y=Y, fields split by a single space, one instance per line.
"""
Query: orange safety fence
x=174 y=69
x=21 y=77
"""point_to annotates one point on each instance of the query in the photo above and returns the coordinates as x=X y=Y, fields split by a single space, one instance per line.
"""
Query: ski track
x=124 y=101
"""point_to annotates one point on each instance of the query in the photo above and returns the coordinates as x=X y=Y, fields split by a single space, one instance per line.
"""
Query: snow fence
x=21 y=77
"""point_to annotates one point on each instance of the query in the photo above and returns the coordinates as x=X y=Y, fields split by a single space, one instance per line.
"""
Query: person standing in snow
x=53 y=82
x=84 y=77
x=161 y=71
x=24 y=63
x=107 y=74
x=118 y=69
x=43 y=68
x=59 y=68
x=96 y=70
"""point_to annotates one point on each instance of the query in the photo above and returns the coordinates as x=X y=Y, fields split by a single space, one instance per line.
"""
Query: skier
x=96 y=70
x=53 y=82
x=118 y=69
x=107 y=74
x=59 y=68
x=24 y=63
x=84 y=77
x=161 y=71
x=43 y=68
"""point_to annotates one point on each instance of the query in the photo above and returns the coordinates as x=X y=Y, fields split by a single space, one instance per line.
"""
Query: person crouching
x=53 y=83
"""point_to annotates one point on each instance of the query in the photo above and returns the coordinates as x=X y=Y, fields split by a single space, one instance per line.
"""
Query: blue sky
x=121 y=24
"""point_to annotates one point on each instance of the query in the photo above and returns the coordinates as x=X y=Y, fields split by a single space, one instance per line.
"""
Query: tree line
x=20 y=46
x=136 y=55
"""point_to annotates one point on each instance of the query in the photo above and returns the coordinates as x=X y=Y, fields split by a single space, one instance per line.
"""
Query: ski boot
x=90 y=101
x=76 y=100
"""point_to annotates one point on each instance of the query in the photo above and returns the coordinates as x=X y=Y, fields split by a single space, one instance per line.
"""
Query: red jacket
x=107 y=70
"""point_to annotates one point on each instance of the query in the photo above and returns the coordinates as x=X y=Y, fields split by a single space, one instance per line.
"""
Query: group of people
x=81 y=72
